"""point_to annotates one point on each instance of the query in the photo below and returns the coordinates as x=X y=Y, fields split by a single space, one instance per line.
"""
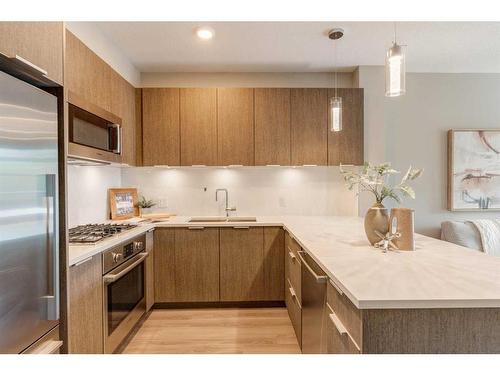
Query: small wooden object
x=123 y=203
x=402 y=221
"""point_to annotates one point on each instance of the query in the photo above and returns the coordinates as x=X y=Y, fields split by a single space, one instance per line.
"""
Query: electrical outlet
x=162 y=203
x=282 y=202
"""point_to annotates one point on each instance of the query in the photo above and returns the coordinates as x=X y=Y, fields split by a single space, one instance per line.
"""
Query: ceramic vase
x=376 y=218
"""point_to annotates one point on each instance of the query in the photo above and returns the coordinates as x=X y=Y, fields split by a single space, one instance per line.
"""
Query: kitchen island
x=440 y=298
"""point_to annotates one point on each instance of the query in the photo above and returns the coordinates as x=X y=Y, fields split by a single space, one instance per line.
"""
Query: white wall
x=253 y=190
x=88 y=193
x=412 y=130
x=92 y=36
x=244 y=79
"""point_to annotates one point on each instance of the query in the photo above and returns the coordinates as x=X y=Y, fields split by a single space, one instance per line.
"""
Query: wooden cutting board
x=157 y=216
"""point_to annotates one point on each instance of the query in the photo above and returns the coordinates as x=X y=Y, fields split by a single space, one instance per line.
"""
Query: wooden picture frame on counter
x=123 y=203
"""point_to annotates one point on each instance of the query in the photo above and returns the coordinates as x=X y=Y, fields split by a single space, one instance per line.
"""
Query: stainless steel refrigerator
x=29 y=248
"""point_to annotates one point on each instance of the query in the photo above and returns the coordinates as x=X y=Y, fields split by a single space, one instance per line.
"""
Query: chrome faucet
x=227 y=201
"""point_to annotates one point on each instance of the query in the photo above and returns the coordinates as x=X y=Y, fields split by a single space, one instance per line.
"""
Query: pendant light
x=395 y=70
x=335 y=102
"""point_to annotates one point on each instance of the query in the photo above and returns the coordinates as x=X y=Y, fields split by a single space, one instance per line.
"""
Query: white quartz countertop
x=437 y=274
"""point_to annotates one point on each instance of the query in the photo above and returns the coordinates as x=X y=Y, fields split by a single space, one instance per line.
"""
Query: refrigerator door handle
x=52 y=294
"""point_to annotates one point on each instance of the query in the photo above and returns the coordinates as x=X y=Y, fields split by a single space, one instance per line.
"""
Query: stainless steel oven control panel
x=117 y=255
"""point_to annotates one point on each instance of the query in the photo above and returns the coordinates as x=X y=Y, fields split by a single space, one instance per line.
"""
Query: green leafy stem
x=375 y=179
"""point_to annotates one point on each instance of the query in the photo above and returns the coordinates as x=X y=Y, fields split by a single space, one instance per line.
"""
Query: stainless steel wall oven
x=124 y=276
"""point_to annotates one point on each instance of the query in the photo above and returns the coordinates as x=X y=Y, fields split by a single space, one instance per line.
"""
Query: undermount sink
x=222 y=219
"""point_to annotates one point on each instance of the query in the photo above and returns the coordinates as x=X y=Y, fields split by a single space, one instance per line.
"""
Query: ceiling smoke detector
x=336 y=33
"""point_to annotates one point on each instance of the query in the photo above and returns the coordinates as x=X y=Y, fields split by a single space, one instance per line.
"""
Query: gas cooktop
x=92 y=233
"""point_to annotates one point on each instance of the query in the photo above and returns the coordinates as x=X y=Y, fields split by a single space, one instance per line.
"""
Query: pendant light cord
x=395 y=32
x=335 y=67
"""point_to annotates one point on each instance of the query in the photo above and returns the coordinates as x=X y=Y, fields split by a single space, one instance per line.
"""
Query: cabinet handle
x=336 y=287
x=31 y=65
x=241 y=227
x=196 y=228
x=294 y=296
x=338 y=324
x=319 y=279
x=292 y=256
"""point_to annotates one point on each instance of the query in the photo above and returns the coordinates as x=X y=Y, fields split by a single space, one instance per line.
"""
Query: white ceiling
x=304 y=47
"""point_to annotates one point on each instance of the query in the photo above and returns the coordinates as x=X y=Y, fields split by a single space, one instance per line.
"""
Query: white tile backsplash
x=88 y=193
x=253 y=190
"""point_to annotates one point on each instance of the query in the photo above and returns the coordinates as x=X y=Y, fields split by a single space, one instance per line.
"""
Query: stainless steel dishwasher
x=313 y=305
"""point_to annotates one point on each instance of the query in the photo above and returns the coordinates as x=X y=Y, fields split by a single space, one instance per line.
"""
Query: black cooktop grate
x=92 y=233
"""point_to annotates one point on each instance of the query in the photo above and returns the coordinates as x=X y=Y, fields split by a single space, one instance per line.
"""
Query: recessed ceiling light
x=205 y=33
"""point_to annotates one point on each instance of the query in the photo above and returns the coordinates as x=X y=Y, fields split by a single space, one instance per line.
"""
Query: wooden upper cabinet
x=41 y=43
x=198 y=126
x=242 y=264
x=160 y=126
x=87 y=75
x=347 y=146
x=309 y=126
x=196 y=264
x=123 y=105
x=272 y=126
x=235 y=126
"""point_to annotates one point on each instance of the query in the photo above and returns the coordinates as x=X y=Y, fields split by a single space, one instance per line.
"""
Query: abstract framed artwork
x=474 y=170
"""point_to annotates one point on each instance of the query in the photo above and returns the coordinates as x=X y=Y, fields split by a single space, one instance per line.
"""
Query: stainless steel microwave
x=94 y=133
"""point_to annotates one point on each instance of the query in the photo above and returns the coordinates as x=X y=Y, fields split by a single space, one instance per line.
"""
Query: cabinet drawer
x=338 y=339
x=347 y=313
x=294 y=310
x=293 y=272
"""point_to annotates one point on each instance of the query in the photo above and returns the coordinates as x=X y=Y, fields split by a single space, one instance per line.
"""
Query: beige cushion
x=461 y=233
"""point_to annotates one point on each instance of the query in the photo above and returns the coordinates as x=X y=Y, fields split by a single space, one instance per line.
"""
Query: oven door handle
x=111 y=277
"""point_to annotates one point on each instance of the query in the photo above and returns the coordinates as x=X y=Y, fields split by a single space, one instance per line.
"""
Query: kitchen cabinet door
x=309 y=126
x=198 y=126
x=150 y=278
x=86 y=74
x=123 y=105
x=272 y=126
x=160 y=126
x=242 y=264
x=347 y=146
x=41 y=43
x=164 y=265
x=235 y=126
x=85 y=324
x=196 y=264
x=274 y=265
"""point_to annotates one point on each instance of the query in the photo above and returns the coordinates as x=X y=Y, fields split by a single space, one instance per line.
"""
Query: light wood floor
x=215 y=330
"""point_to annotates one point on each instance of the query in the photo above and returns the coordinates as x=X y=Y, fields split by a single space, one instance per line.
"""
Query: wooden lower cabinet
x=294 y=310
x=242 y=264
x=218 y=264
x=149 y=264
x=274 y=265
x=196 y=264
x=164 y=265
x=338 y=340
x=251 y=264
x=85 y=325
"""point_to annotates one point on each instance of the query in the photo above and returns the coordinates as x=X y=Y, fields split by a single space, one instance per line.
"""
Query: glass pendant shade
x=335 y=114
x=395 y=71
